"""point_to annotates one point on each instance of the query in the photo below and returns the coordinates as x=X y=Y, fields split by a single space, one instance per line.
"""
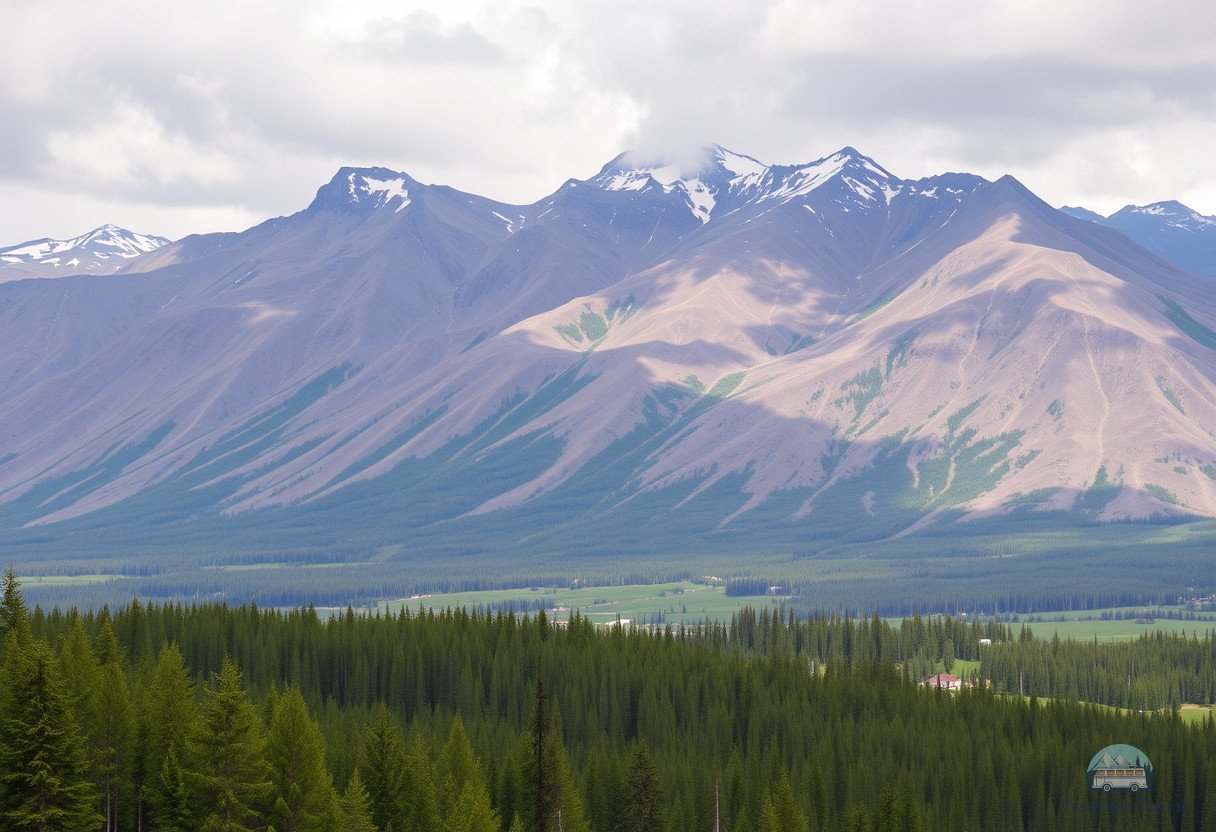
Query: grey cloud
x=260 y=105
x=421 y=37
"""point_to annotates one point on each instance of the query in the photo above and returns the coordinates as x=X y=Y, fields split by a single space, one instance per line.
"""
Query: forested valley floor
x=173 y=718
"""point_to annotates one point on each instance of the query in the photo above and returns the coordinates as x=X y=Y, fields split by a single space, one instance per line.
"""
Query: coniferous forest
x=173 y=718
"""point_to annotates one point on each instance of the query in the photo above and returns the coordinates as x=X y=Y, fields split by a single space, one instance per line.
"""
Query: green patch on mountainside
x=873 y=306
x=1170 y=395
x=1163 y=494
x=1094 y=499
x=897 y=355
x=1190 y=327
x=1031 y=498
x=593 y=326
x=783 y=342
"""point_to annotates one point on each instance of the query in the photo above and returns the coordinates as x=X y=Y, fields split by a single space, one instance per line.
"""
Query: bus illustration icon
x=1120 y=768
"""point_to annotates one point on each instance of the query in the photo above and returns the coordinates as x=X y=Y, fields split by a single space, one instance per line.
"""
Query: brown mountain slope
x=827 y=334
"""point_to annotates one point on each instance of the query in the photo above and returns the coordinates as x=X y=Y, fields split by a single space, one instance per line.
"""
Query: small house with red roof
x=944 y=681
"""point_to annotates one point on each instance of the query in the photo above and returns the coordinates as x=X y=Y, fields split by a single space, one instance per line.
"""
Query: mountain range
x=104 y=250
x=1179 y=234
x=661 y=357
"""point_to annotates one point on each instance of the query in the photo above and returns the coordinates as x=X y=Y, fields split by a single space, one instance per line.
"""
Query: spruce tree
x=789 y=815
x=171 y=801
x=419 y=799
x=568 y=812
x=539 y=791
x=644 y=800
x=229 y=751
x=112 y=732
x=472 y=811
x=43 y=767
x=14 y=615
x=383 y=768
x=356 y=807
x=304 y=797
x=169 y=721
x=457 y=766
x=885 y=816
x=770 y=820
x=463 y=797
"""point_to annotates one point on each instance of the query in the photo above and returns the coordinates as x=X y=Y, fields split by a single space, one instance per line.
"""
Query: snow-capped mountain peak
x=105 y=248
x=1171 y=211
x=700 y=180
x=716 y=176
x=366 y=189
x=1173 y=230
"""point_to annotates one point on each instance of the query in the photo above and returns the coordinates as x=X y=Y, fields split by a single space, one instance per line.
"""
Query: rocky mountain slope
x=823 y=349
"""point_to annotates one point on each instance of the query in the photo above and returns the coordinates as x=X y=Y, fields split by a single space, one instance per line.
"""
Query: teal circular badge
x=1120 y=768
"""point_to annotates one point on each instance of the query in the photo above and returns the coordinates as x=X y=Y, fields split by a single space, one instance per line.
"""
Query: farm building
x=944 y=681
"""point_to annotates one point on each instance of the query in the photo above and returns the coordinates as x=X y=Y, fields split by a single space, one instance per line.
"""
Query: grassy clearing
x=678 y=602
x=1087 y=625
x=65 y=580
x=964 y=668
x=1196 y=713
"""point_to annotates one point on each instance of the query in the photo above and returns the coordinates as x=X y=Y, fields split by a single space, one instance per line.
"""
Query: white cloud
x=129 y=147
x=214 y=114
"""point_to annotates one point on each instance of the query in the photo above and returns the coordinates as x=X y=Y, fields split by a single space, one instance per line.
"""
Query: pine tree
x=304 y=797
x=858 y=819
x=568 y=812
x=168 y=721
x=356 y=806
x=790 y=817
x=420 y=802
x=770 y=821
x=472 y=811
x=229 y=753
x=13 y=613
x=171 y=805
x=112 y=732
x=79 y=672
x=383 y=768
x=43 y=767
x=464 y=799
x=644 y=801
x=457 y=767
x=539 y=792
x=885 y=818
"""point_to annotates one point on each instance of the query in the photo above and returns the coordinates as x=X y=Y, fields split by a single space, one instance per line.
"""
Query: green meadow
x=1088 y=625
x=677 y=602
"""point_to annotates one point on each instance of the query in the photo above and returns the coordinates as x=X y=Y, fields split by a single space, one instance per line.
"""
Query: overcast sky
x=172 y=117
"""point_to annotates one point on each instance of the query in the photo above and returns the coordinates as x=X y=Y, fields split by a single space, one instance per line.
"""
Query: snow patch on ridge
x=381 y=191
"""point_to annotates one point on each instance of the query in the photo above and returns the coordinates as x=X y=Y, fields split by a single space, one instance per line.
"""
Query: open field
x=1086 y=625
x=1089 y=624
x=964 y=668
x=1196 y=713
x=674 y=603
x=28 y=581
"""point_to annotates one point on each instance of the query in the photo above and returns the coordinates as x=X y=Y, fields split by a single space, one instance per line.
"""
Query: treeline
x=1157 y=670
x=163 y=717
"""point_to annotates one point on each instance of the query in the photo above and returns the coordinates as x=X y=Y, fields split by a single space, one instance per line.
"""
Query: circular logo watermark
x=1120 y=768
